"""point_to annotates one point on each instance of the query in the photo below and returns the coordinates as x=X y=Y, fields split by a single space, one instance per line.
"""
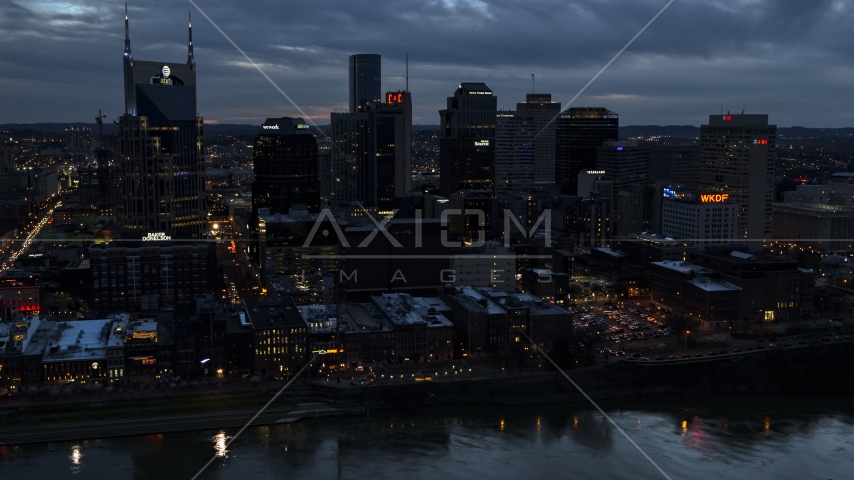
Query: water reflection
x=76 y=455
x=220 y=441
x=700 y=440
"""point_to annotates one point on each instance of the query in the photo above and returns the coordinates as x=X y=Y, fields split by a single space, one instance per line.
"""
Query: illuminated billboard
x=713 y=197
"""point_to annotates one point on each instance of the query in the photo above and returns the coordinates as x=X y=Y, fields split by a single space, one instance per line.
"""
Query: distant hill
x=238 y=129
x=659 y=131
x=692 y=131
x=109 y=127
x=793 y=132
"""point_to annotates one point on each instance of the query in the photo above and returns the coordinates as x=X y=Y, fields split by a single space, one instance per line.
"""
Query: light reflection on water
x=725 y=440
x=220 y=440
x=76 y=455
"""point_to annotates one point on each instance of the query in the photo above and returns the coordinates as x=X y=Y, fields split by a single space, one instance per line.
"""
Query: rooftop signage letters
x=713 y=197
x=156 y=236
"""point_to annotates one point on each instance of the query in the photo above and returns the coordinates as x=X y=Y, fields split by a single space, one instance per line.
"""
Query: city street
x=11 y=254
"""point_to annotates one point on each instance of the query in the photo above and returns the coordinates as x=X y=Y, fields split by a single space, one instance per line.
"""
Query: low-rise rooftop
x=273 y=312
x=77 y=340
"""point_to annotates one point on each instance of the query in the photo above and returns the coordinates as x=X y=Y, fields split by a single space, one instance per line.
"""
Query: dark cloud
x=61 y=60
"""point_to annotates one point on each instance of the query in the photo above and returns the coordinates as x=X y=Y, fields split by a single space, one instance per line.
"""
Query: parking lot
x=630 y=327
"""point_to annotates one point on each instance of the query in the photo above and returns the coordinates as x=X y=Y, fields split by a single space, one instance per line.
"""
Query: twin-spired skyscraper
x=161 y=146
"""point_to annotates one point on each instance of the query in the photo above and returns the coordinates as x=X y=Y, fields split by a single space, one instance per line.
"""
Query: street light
x=687 y=332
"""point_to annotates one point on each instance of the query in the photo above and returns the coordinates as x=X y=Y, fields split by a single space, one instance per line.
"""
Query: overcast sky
x=62 y=60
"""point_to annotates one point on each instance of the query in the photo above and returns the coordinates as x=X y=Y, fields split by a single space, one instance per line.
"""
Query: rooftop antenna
x=407 y=71
x=127 y=37
x=191 y=59
x=533 y=84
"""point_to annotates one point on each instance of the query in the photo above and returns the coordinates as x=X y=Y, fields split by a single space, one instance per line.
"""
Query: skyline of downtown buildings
x=538 y=145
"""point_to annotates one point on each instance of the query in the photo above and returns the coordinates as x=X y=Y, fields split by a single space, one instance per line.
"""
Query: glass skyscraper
x=372 y=152
x=467 y=140
x=580 y=131
x=365 y=80
x=284 y=161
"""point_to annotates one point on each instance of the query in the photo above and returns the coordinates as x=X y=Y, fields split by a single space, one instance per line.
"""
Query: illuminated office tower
x=161 y=146
x=372 y=152
x=737 y=160
x=515 y=155
x=467 y=140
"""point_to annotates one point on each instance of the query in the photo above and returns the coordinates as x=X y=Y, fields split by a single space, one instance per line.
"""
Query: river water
x=732 y=438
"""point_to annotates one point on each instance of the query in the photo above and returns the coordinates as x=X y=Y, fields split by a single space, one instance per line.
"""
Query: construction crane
x=100 y=121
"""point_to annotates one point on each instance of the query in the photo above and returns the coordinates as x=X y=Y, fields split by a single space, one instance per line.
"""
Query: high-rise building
x=625 y=163
x=161 y=145
x=467 y=140
x=372 y=152
x=78 y=139
x=543 y=110
x=365 y=80
x=580 y=131
x=737 y=160
x=515 y=152
x=284 y=161
x=677 y=164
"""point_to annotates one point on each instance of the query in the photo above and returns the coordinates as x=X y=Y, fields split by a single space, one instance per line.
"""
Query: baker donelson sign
x=151 y=237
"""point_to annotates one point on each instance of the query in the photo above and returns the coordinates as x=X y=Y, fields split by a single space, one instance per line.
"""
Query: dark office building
x=467 y=140
x=365 y=80
x=580 y=132
x=624 y=163
x=127 y=274
x=675 y=164
x=543 y=110
x=161 y=146
x=284 y=161
x=372 y=152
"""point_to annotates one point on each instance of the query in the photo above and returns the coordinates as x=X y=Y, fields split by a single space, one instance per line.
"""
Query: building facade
x=515 y=151
x=123 y=276
x=371 y=157
x=737 y=160
x=467 y=140
x=365 y=80
x=162 y=141
x=580 y=132
x=285 y=167
x=702 y=222
x=544 y=112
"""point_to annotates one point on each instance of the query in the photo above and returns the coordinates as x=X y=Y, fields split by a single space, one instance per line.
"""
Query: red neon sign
x=392 y=98
x=727 y=117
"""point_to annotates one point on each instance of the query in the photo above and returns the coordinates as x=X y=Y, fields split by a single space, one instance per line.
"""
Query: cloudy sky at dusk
x=792 y=59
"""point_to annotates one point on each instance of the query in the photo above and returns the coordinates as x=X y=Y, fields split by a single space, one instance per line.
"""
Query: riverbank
x=823 y=370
